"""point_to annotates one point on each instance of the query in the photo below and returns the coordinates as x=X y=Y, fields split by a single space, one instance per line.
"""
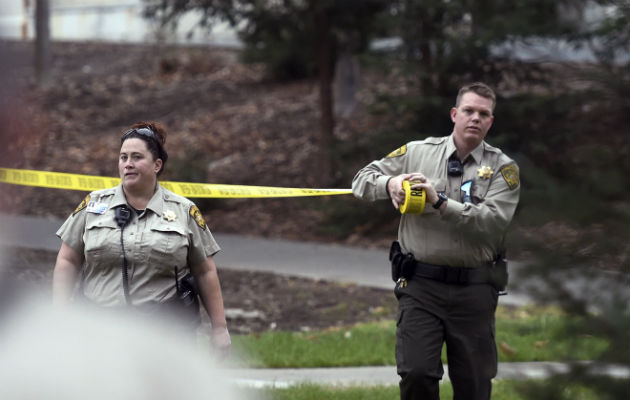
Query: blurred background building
x=105 y=20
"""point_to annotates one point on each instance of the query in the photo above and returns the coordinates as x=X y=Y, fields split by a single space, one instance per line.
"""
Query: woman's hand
x=210 y=291
x=221 y=342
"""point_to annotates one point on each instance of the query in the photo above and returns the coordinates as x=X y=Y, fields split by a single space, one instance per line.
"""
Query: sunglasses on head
x=141 y=131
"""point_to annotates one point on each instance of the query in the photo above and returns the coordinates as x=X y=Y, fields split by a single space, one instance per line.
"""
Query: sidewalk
x=386 y=375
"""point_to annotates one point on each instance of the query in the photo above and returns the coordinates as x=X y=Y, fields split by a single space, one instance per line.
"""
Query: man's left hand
x=427 y=186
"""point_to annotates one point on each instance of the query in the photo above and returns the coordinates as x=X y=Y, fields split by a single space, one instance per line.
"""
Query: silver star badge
x=169 y=215
x=485 y=172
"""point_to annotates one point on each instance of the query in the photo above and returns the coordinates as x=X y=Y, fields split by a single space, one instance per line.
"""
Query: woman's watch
x=441 y=199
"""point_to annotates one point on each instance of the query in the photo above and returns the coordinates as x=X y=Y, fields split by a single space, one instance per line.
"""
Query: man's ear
x=453 y=114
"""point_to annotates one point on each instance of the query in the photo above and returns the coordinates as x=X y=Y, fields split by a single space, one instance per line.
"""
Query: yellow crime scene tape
x=415 y=200
x=62 y=180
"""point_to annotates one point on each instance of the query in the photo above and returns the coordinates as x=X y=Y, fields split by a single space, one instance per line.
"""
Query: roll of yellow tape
x=414 y=200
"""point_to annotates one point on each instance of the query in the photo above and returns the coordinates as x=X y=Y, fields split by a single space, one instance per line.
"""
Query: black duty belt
x=406 y=267
x=455 y=275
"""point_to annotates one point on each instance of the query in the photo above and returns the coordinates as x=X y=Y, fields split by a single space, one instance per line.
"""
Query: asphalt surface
x=362 y=266
x=347 y=264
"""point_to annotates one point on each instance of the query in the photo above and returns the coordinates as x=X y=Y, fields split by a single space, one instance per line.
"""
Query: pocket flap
x=169 y=228
x=102 y=221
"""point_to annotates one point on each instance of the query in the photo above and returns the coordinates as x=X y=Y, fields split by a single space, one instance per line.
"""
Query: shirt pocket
x=168 y=246
x=102 y=237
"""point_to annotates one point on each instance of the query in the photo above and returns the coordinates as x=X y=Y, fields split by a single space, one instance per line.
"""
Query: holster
x=498 y=273
x=188 y=296
x=403 y=265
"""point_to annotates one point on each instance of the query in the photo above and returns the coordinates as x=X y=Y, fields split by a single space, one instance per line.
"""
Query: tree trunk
x=325 y=62
x=42 y=42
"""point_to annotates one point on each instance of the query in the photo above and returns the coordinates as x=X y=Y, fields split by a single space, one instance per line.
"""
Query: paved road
x=329 y=262
x=368 y=267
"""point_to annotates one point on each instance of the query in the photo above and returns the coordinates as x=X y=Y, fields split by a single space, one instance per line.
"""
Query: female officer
x=140 y=241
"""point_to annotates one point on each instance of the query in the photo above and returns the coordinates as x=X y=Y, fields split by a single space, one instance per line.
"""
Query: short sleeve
x=71 y=232
x=202 y=243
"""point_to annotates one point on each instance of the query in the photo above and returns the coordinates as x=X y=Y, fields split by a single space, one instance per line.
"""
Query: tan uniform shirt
x=465 y=234
x=170 y=233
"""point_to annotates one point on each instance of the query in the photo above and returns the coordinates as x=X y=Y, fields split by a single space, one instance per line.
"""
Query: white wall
x=105 y=20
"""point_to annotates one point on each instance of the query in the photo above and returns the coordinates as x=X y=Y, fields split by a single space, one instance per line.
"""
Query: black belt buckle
x=456 y=275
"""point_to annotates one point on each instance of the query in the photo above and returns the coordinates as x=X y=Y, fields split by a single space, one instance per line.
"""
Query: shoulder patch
x=398 y=152
x=510 y=174
x=196 y=215
x=83 y=204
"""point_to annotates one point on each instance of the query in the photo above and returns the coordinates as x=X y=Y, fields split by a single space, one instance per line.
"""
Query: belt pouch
x=408 y=266
x=499 y=274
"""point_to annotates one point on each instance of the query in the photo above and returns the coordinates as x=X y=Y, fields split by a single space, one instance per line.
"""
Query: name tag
x=96 y=208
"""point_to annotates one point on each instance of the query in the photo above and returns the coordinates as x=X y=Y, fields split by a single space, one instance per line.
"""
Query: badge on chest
x=97 y=207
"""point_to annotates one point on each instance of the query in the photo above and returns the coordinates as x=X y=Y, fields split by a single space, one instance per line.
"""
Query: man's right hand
x=395 y=190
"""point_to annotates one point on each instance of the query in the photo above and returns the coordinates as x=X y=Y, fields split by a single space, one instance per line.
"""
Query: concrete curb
x=386 y=375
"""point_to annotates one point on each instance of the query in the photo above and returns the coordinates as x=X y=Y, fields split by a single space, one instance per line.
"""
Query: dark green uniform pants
x=431 y=313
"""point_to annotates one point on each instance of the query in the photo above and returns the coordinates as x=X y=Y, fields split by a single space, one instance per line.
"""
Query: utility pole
x=42 y=42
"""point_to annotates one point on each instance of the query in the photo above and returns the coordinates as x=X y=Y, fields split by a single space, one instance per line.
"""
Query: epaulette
x=174 y=198
x=402 y=150
x=107 y=192
x=98 y=195
x=434 y=140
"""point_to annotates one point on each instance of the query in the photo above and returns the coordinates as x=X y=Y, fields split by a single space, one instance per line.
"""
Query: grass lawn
x=522 y=334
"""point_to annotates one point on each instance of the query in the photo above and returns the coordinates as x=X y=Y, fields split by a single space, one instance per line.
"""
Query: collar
x=119 y=197
x=156 y=204
x=476 y=154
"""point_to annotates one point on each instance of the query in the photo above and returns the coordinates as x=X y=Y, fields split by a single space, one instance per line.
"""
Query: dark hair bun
x=156 y=127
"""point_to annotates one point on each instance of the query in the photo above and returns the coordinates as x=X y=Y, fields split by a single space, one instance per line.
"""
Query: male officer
x=449 y=290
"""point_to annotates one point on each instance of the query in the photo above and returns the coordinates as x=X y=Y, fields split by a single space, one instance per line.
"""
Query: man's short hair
x=480 y=89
